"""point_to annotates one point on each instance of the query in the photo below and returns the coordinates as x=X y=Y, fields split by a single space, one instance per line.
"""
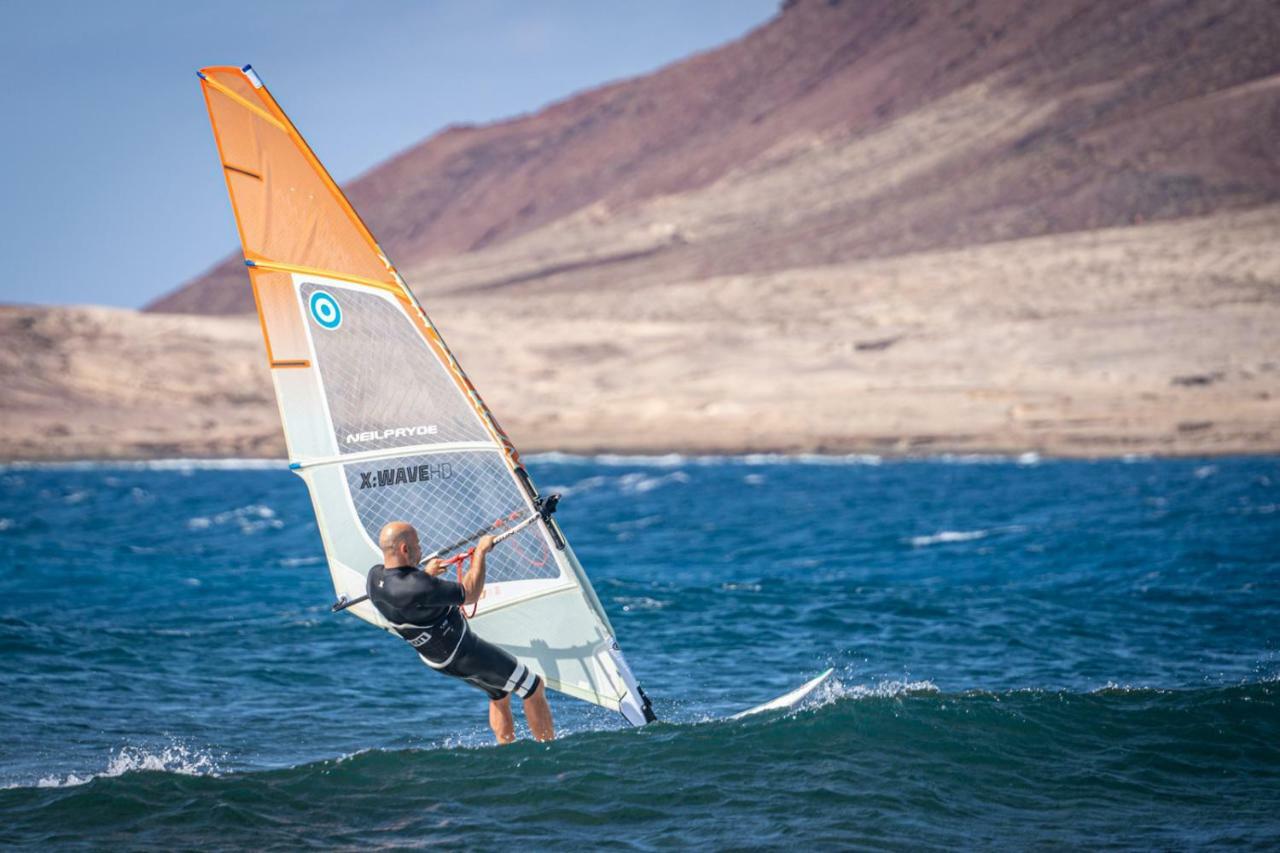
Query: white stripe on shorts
x=517 y=675
x=525 y=689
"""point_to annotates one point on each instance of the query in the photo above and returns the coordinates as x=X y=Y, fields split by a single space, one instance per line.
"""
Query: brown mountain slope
x=844 y=131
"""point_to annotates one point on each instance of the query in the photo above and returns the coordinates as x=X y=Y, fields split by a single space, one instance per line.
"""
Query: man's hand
x=434 y=567
x=473 y=583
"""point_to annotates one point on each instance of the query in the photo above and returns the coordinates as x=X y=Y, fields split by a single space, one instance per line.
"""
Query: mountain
x=879 y=226
x=841 y=131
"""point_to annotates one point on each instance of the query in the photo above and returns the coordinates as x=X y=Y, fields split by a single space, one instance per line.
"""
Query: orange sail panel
x=289 y=210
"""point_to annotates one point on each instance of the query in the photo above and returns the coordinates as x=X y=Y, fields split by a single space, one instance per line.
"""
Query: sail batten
x=380 y=420
x=382 y=454
x=279 y=266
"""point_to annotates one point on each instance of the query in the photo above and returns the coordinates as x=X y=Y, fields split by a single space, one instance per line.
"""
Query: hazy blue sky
x=111 y=191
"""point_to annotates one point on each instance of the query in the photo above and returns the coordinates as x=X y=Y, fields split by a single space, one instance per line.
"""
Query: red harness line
x=458 y=560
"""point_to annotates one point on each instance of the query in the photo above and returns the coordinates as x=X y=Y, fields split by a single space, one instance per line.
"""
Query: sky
x=111 y=190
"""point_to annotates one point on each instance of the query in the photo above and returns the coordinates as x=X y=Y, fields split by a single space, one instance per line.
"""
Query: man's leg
x=501 y=721
x=538 y=714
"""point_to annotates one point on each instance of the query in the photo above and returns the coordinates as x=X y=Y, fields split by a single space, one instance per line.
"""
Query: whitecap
x=250 y=519
x=642 y=602
x=636 y=483
x=293 y=562
x=175 y=758
x=948 y=536
x=971 y=458
x=835 y=690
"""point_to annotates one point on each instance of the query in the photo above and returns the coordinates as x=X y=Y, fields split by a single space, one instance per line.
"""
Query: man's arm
x=473 y=582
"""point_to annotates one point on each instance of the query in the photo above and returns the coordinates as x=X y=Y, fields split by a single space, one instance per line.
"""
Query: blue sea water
x=1028 y=654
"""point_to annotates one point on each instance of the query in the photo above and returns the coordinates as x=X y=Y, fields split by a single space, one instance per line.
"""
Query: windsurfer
x=424 y=610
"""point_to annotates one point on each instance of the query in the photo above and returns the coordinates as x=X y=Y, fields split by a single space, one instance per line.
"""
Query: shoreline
x=657 y=460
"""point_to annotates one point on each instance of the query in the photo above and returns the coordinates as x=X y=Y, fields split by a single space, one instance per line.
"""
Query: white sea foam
x=640 y=483
x=294 y=562
x=643 y=602
x=948 y=536
x=1116 y=687
x=836 y=689
x=175 y=758
x=944 y=536
x=250 y=519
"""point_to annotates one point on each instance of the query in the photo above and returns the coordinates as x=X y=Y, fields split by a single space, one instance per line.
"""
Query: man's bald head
x=399 y=543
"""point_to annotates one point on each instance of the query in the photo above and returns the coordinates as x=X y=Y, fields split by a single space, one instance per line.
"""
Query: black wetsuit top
x=423 y=609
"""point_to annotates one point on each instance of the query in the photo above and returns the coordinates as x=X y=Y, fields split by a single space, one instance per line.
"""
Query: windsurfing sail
x=379 y=418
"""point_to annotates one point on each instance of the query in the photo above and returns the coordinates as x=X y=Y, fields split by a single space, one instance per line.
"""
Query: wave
x=863 y=764
x=876 y=707
x=176 y=758
x=250 y=519
x=946 y=536
x=631 y=483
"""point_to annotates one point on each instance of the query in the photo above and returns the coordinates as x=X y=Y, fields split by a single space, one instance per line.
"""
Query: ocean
x=1029 y=654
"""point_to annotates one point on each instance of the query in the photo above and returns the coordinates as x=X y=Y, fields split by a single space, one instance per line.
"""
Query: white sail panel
x=384 y=386
x=451 y=484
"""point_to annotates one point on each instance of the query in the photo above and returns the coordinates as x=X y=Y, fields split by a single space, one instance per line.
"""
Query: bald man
x=424 y=610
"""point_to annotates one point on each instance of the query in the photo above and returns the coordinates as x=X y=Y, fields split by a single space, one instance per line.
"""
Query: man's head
x=399 y=543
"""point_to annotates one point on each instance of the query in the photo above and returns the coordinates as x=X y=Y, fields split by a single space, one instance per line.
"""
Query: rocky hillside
x=851 y=130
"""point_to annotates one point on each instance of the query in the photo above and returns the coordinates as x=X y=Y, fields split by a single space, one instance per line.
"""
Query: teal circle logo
x=325 y=310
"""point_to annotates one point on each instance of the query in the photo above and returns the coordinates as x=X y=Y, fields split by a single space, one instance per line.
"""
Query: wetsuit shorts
x=492 y=669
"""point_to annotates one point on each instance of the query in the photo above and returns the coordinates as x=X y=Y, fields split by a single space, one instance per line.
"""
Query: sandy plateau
x=1149 y=339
